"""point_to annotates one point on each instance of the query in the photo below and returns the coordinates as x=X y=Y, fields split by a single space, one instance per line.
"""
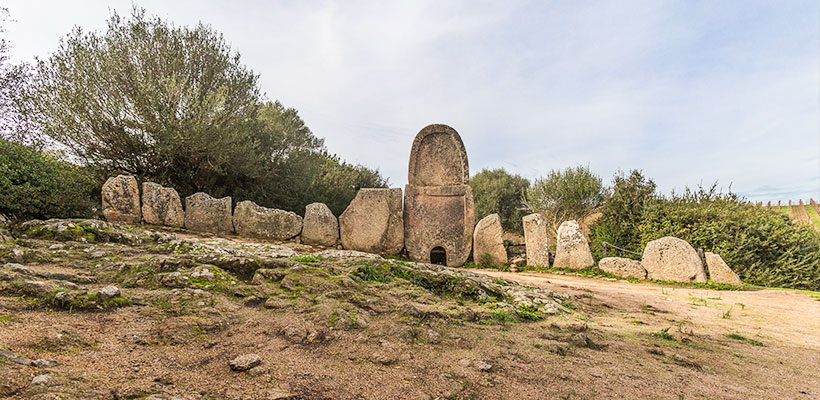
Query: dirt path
x=785 y=316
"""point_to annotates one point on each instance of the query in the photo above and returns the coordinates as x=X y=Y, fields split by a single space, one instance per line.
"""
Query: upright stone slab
x=672 y=259
x=161 y=205
x=121 y=199
x=572 y=250
x=536 y=240
x=321 y=228
x=719 y=271
x=623 y=267
x=373 y=222
x=252 y=220
x=439 y=214
x=206 y=214
x=488 y=243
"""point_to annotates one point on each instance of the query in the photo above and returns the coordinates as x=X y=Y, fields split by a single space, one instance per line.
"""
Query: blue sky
x=689 y=92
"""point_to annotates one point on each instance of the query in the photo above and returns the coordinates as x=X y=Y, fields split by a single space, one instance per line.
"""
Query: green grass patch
x=529 y=312
x=663 y=334
x=305 y=259
x=741 y=338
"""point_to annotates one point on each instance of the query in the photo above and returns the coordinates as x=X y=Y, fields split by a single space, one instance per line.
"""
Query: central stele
x=439 y=213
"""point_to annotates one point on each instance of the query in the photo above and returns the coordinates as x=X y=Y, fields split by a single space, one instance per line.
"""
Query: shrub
x=35 y=184
x=621 y=215
x=572 y=193
x=760 y=244
x=498 y=191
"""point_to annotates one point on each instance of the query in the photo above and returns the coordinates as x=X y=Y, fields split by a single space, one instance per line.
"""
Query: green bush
x=498 y=191
x=760 y=244
x=621 y=215
x=563 y=195
x=35 y=184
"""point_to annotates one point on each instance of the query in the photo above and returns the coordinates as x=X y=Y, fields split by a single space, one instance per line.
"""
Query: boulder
x=572 y=250
x=672 y=259
x=161 y=205
x=320 y=226
x=623 y=267
x=488 y=244
x=121 y=199
x=251 y=220
x=536 y=240
x=719 y=271
x=206 y=214
x=373 y=222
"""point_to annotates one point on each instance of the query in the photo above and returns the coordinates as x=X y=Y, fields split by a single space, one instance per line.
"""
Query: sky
x=689 y=92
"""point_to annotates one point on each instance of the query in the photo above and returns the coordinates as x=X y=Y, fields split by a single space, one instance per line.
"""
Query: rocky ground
x=99 y=311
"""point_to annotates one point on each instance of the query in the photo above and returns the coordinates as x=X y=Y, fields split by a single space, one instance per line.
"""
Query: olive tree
x=155 y=100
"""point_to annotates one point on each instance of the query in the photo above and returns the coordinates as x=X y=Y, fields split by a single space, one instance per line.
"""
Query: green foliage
x=761 y=245
x=497 y=191
x=621 y=215
x=572 y=193
x=35 y=184
x=742 y=338
x=663 y=334
x=529 y=312
x=306 y=259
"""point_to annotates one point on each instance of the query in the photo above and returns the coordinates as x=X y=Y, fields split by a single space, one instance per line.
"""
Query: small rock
x=274 y=302
x=464 y=362
x=245 y=362
x=41 y=380
x=483 y=366
x=108 y=293
x=46 y=363
x=65 y=297
x=19 y=268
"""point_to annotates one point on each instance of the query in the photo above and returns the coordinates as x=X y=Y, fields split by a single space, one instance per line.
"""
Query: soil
x=331 y=332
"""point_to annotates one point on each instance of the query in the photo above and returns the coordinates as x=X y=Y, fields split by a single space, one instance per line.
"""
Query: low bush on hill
x=35 y=184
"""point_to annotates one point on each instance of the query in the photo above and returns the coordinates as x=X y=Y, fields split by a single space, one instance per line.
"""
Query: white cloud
x=687 y=92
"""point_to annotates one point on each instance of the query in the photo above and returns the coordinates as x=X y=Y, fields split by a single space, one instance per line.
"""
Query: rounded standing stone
x=373 y=222
x=121 y=199
x=320 y=226
x=488 y=243
x=161 y=205
x=206 y=214
x=672 y=259
x=252 y=220
x=572 y=251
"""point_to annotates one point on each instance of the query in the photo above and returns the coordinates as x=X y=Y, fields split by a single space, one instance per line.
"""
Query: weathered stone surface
x=572 y=250
x=251 y=220
x=108 y=292
x=623 y=267
x=719 y=271
x=245 y=362
x=320 y=226
x=206 y=214
x=121 y=199
x=373 y=223
x=439 y=214
x=536 y=240
x=161 y=205
x=488 y=244
x=672 y=259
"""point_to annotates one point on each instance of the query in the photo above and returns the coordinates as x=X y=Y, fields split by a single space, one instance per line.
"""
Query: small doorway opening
x=438 y=256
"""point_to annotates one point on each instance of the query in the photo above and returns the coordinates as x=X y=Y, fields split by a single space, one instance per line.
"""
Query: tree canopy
x=175 y=105
x=562 y=195
x=498 y=191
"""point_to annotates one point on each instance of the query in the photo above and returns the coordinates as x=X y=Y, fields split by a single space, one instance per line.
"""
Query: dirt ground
x=611 y=339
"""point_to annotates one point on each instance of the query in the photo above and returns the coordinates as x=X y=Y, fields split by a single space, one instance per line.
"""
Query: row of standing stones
x=666 y=259
x=373 y=223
